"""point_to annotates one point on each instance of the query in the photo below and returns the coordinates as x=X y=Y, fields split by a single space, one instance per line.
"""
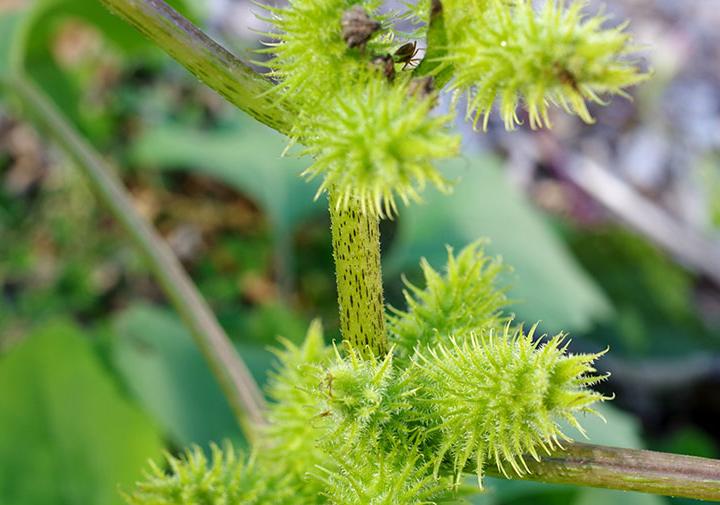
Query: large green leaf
x=546 y=282
x=67 y=436
x=161 y=365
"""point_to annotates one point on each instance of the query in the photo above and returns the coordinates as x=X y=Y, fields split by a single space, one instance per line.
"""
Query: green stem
x=626 y=470
x=356 y=249
x=436 y=48
x=205 y=59
x=238 y=385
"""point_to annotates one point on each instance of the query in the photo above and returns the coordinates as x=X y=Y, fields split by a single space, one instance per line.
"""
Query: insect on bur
x=422 y=87
x=406 y=54
x=385 y=64
x=329 y=378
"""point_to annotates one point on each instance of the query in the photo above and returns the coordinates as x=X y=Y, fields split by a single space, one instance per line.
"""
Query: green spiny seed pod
x=193 y=480
x=499 y=397
x=462 y=299
x=369 y=399
x=289 y=445
x=398 y=477
x=514 y=54
x=310 y=56
x=373 y=143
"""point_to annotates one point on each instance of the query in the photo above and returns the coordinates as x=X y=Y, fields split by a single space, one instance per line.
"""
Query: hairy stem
x=205 y=59
x=356 y=249
x=238 y=385
x=626 y=470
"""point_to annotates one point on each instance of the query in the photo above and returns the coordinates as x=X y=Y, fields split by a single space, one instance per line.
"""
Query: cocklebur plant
x=344 y=429
x=412 y=399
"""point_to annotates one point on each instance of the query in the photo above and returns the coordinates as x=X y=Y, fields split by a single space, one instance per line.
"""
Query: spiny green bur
x=557 y=55
x=466 y=298
x=224 y=479
x=500 y=395
x=417 y=398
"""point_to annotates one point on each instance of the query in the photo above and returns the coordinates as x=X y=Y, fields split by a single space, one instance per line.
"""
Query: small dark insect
x=406 y=54
x=329 y=378
x=385 y=64
x=358 y=27
x=422 y=87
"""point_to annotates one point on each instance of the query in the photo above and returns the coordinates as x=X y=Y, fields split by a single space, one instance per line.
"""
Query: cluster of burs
x=463 y=386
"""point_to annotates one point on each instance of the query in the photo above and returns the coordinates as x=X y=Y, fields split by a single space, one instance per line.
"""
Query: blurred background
x=611 y=230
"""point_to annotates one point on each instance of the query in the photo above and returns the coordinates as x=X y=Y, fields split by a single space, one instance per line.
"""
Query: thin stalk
x=238 y=385
x=356 y=250
x=626 y=470
x=207 y=60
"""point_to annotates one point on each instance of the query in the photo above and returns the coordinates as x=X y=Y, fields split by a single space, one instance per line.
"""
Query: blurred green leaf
x=264 y=323
x=614 y=428
x=709 y=178
x=546 y=282
x=688 y=440
x=517 y=492
x=606 y=496
x=161 y=365
x=67 y=435
x=656 y=308
x=10 y=27
x=245 y=155
x=37 y=46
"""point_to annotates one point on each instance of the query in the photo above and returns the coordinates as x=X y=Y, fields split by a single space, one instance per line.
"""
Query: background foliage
x=97 y=375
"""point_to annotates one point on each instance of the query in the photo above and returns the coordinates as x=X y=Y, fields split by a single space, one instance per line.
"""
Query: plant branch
x=241 y=390
x=205 y=59
x=626 y=470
